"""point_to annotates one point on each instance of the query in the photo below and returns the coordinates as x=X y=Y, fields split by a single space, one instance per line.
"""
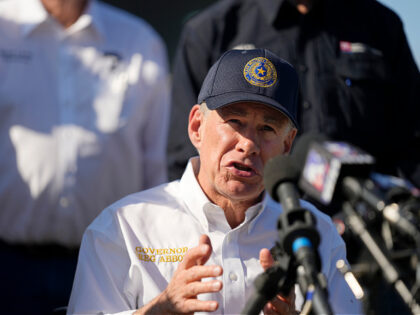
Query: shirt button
x=306 y=104
x=233 y=276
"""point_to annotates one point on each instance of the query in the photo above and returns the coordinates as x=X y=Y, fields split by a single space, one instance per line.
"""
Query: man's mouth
x=242 y=167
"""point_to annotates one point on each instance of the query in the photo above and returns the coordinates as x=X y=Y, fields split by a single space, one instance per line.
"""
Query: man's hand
x=280 y=304
x=180 y=296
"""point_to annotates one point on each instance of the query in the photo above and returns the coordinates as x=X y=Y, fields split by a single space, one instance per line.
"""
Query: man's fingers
x=270 y=310
x=197 y=273
x=195 y=256
x=204 y=239
x=266 y=260
x=198 y=255
x=281 y=305
x=292 y=296
x=194 y=305
x=191 y=279
x=185 y=299
x=195 y=288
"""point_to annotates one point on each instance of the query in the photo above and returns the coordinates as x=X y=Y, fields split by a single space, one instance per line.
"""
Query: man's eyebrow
x=232 y=111
x=269 y=119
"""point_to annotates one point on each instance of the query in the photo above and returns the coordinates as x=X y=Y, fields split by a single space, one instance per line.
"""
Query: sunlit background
x=409 y=12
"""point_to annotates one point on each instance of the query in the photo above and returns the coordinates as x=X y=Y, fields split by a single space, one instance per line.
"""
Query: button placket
x=233 y=276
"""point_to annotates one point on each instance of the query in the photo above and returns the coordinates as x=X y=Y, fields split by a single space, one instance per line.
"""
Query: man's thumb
x=266 y=260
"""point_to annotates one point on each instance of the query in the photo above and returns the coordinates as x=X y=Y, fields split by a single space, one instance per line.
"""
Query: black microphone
x=298 y=235
x=338 y=174
x=388 y=182
x=281 y=277
x=280 y=178
x=336 y=171
x=392 y=212
x=325 y=166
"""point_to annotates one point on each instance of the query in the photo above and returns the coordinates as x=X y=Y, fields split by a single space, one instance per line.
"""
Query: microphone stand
x=300 y=239
x=296 y=249
x=279 y=278
x=354 y=190
x=389 y=270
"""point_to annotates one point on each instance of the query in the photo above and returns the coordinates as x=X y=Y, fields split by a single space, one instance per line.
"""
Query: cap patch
x=260 y=72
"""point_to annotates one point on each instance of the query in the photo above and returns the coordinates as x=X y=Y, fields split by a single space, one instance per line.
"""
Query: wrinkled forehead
x=268 y=113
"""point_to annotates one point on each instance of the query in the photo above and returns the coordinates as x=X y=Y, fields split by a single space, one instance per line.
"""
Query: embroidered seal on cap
x=260 y=72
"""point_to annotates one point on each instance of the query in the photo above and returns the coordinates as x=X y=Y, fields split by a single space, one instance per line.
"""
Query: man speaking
x=198 y=243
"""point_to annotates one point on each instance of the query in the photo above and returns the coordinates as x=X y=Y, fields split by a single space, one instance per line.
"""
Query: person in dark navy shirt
x=358 y=80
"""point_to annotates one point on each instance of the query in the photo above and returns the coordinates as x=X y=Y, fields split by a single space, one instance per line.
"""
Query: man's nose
x=248 y=142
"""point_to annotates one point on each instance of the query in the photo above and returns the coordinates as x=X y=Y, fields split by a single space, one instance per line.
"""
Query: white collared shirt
x=83 y=117
x=130 y=252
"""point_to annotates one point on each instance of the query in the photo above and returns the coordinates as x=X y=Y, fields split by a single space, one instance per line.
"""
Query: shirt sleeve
x=103 y=276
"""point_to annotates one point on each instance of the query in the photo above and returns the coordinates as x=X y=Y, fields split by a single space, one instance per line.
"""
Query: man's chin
x=244 y=192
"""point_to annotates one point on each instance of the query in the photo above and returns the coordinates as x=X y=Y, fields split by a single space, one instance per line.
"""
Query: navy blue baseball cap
x=255 y=75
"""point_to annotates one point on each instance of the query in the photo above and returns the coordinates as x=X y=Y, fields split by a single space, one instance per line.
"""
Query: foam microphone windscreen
x=301 y=147
x=278 y=170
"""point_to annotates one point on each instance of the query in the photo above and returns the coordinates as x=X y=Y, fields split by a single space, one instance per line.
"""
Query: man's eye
x=234 y=121
x=267 y=128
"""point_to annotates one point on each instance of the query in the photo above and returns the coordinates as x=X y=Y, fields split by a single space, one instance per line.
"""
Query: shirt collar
x=266 y=205
x=94 y=17
x=33 y=14
x=192 y=194
x=200 y=206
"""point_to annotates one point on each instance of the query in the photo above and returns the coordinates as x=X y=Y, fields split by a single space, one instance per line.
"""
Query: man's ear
x=288 y=141
x=195 y=122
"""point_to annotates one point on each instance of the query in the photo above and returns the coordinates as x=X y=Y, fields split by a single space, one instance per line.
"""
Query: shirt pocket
x=363 y=93
x=362 y=66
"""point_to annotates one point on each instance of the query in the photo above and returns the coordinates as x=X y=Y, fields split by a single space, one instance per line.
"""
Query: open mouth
x=242 y=167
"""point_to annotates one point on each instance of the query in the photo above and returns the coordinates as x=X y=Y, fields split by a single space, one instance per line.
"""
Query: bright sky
x=409 y=12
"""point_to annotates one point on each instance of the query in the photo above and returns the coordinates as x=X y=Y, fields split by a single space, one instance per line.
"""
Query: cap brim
x=218 y=101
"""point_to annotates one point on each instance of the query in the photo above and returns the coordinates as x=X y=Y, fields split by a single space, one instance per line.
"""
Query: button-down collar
x=194 y=197
x=208 y=214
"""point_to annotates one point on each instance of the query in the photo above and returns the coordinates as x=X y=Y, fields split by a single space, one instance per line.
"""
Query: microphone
x=298 y=235
x=281 y=277
x=338 y=174
x=391 y=212
x=337 y=171
x=389 y=182
x=280 y=176
x=325 y=166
